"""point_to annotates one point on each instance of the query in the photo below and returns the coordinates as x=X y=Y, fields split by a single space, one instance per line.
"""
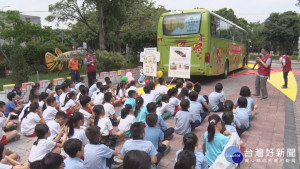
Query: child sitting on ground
x=186 y=160
x=173 y=102
x=12 y=105
x=58 y=92
x=110 y=109
x=85 y=102
x=245 y=92
x=228 y=106
x=94 y=87
x=120 y=93
x=20 y=95
x=49 y=88
x=136 y=159
x=148 y=97
x=5 y=122
x=96 y=154
x=162 y=107
x=185 y=122
x=74 y=122
x=154 y=92
x=50 y=112
x=9 y=124
x=8 y=161
x=131 y=99
x=127 y=119
x=214 y=141
x=201 y=99
x=70 y=105
x=138 y=143
x=179 y=86
x=189 y=86
x=216 y=99
x=75 y=149
x=162 y=88
x=131 y=86
x=43 y=146
x=65 y=90
x=99 y=98
x=140 y=111
x=161 y=124
x=98 y=85
x=31 y=118
x=196 y=108
x=190 y=142
x=57 y=124
x=32 y=99
x=103 y=122
x=42 y=103
x=52 y=161
x=155 y=135
x=81 y=82
x=184 y=94
x=243 y=115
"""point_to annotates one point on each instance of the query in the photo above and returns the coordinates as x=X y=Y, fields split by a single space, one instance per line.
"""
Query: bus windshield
x=181 y=24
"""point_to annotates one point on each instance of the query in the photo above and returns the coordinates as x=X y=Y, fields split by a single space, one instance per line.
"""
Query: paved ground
x=271 y=141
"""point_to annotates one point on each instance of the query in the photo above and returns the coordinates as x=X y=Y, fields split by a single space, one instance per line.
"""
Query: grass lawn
x=42 y=76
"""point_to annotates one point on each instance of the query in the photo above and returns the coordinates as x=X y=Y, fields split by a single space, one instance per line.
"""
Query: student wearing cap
x=73 y=67
x=91 y=66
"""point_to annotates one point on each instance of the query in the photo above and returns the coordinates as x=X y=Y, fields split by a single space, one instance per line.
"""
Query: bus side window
x=213 y=26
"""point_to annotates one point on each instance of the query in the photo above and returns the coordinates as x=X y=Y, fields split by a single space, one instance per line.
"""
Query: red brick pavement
x=266 y=132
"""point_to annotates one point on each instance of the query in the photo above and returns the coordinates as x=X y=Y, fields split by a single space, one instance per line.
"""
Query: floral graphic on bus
x=234 y=61
x=181 y=44
x=227 y=51
x=197 y=48
x=219 y=57
x=201 y=37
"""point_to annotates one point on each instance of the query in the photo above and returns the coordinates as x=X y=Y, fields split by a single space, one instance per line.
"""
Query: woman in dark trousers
x=91 y=67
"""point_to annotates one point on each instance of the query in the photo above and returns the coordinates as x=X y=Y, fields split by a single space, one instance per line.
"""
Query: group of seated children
x=74 y=119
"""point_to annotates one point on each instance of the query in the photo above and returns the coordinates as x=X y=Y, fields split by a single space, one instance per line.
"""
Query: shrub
x=18 y=65
x=108 y=61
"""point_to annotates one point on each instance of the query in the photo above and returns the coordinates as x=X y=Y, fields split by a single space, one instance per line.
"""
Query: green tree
x=17 y=31
x=282 y=31
x=256 y=34
x=18 y=65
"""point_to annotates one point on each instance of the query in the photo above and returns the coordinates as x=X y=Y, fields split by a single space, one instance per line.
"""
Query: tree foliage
x=230 y=15
x=282 y=31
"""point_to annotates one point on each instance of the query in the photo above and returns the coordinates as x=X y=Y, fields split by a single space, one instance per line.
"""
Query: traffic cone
x=232 y=75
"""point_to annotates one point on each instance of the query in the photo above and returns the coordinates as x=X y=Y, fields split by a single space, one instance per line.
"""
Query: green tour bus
x=218 y=45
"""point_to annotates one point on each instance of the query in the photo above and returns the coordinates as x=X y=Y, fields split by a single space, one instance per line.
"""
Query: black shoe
x=264 y=98
x=255 y=94
x=284 y=87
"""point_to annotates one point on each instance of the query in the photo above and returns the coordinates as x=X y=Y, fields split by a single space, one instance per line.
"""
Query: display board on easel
x=150 y=57
x=180 y=62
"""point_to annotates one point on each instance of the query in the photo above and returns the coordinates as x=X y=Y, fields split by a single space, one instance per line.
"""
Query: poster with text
x=150 y=63
x=180 y=62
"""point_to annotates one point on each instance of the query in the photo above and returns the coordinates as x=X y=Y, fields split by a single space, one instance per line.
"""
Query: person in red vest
x=264 y=69
x=91 y=66
x=286 y=67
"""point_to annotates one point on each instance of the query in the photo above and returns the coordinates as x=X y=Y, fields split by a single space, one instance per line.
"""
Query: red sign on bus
x=236 y=49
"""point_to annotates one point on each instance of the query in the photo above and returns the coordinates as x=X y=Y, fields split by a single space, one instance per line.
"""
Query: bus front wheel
x=226 y=70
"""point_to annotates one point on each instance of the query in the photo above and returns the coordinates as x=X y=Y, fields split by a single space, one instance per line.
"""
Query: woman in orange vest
x=73 y=67
x=286 y=67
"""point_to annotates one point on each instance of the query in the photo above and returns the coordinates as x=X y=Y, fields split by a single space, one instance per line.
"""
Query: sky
x=251 y=10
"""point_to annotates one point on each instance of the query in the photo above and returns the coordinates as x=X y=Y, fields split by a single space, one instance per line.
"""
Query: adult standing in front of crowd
x=91 y=66
x=73 y=67
x=264 y=70
x=286 y=67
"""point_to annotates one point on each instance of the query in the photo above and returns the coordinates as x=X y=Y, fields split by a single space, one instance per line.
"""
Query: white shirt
x=5 y=166
x=172 y=104
x=120 y=94
x=87 y=117
x=109 y=109
x=148 y=98
x=155 y=93
x=94 y=94
x=80 y=134
x=29 y=122
x=162 y=89
x=69 y=104
x=39 y=151
x=130 y=88
x=162 y=109
x=54 y=129
x=23 y=110
x=2 y=124
x=105 y=126
x=62 y=98
x=77 y=97
x=41 y=104
x=49 y=113
x=126 y=123
x=99 y=98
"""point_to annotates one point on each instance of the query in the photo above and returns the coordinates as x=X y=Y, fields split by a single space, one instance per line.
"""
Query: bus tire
x=226 y=70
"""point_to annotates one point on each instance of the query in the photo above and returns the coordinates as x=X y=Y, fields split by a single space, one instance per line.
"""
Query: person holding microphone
x=91 y=66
